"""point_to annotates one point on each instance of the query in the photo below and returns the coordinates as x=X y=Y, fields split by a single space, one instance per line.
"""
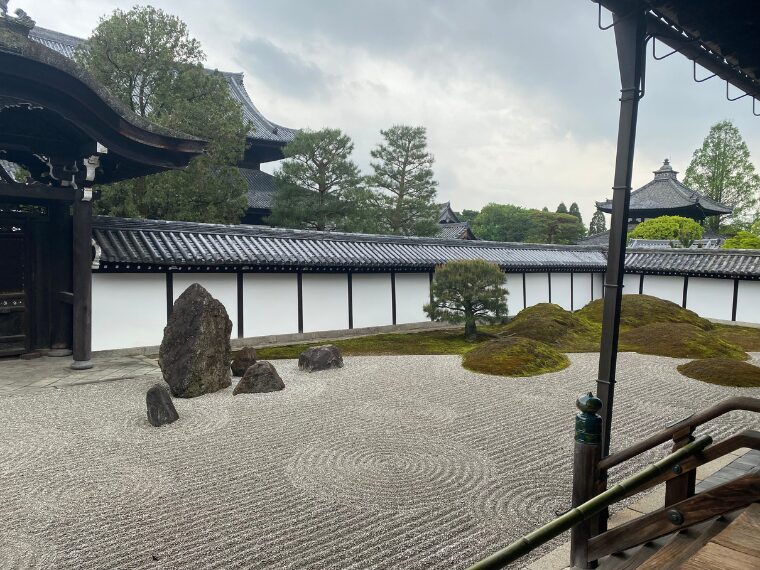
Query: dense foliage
x=467 y=291
x=318 y=184
x=598 y=223
x=676 y=228
x=743 y=240
x=505 y=222
x=722 y=170
x=402 y=198
x=147 y=59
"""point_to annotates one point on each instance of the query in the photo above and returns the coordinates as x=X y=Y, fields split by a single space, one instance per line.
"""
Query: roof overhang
x=75 y=117
x=722 y=37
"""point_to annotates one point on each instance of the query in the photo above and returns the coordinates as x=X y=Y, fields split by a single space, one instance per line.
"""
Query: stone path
x=389 y=462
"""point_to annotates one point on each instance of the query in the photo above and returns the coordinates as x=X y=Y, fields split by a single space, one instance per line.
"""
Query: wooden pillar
x=350 y=285
x=586 y=455
x=82 y=277
x=393 y=296
x=60 y=277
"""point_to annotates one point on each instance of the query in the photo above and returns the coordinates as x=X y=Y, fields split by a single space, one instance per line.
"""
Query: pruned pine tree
x=468 y=291
x=318 y=183
x=402 y=183
x=147 y=59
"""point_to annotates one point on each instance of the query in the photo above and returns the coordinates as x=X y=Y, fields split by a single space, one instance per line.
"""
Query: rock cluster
x=161 y=409
x=195 y=352
x=259 y=378
x=320 y=358
x=243 y=360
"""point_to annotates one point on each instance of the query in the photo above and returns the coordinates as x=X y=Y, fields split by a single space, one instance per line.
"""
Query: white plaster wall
x=221 y=286
x=412 y=292
x=666 y=287
x=598 y=285
x=748 y=302
x=631 y=283
x=513 y=283
x=561 y=291
x=325 y=302
x=710 y=298
x=270 y=303
x=581 y=290
x=536 y=289
x=372 y=301
x=128 y=310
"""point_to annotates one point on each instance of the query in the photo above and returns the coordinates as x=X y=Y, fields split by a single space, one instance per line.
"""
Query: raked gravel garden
x=389 y=462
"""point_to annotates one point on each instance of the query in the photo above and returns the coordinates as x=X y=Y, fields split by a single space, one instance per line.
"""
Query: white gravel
x=390 y=462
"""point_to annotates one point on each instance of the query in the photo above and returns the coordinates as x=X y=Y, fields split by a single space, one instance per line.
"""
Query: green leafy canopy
x=147 y=59
x=677 y=228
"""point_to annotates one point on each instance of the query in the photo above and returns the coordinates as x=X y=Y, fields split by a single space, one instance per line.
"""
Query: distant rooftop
x=666 y=195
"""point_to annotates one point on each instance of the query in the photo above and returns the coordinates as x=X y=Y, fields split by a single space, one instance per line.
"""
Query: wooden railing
x=590 y=540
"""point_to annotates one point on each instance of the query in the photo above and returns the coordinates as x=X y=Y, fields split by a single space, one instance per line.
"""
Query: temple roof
x=455 y=230
x=666 y=195
x=261 y=188
x=262 y=129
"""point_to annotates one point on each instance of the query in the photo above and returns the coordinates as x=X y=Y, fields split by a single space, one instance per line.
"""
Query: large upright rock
x=320 y=358
x=195 y=352
x=259 y=378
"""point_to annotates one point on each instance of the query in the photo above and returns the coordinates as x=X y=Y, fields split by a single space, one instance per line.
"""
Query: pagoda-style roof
x=54 y=115
x=667 y=196
x=265 y=137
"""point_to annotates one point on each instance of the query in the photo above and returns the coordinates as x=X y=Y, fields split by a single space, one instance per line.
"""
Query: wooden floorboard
x=712 y=556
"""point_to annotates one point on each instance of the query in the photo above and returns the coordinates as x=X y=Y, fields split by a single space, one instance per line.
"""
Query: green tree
x=147 y=59
x=598 y=223
x=502 y=222
x=721 y=169
x=675 y=228
x=562 y=209
x=575 y=211
x=550 y=227
x=402 y=183
x=318 y=185
x=743 y=240
x=468 y=291
x=467 y=215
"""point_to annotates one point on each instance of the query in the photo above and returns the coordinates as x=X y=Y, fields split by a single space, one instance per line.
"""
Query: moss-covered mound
x=723 y=371
x=746 y=338
x=679 y=340
x=551 y=324
x=640 y=310
x=514 y=356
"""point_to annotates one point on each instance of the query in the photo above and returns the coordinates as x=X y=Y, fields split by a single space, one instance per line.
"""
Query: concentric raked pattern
x=390 y=462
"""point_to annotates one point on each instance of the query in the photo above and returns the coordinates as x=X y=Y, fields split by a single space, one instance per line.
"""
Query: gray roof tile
x=261 y=188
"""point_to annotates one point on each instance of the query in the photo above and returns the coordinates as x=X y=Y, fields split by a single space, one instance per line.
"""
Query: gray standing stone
x=320 y=358
x=260 y=377
x=243 y=360
x=161 y=409
x=195 y=351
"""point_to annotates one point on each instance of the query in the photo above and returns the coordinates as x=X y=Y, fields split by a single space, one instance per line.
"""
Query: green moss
x=428 y=342
x=640 y=310
x=746 y=338
x=723 y=371
x=551 y=324
x=678 y=340
x=514 y=356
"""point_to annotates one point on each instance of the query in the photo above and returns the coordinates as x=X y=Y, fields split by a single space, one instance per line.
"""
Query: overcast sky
x=520 y=99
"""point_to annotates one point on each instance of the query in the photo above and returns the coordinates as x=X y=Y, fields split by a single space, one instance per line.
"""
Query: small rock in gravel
x=320 y=358
x=260 y=377
x=161 y=409
x=243 y=360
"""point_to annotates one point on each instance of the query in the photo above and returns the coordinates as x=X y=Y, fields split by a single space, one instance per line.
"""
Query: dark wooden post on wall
x=586 y=455
x=82 y=277
x=630 y=31
x=60 y=270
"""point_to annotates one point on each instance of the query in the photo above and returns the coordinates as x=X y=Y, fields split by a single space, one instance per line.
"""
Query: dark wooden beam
x=37 y=192
x=240 y=331
x=169 y=294
x=299 y=282
x=735 y=300
x=685 y=291
x=393 y=296
x=350 y=284
x=82 y=273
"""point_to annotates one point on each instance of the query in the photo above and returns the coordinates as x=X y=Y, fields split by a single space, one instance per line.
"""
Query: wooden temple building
x=68 y=133
x=265 y=139
x=451 y=227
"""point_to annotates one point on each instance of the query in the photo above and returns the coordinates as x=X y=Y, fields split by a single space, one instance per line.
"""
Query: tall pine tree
x=575 y=211
x=721 y=169
x=402 y=183
x=562 y=209
x=598 y=223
